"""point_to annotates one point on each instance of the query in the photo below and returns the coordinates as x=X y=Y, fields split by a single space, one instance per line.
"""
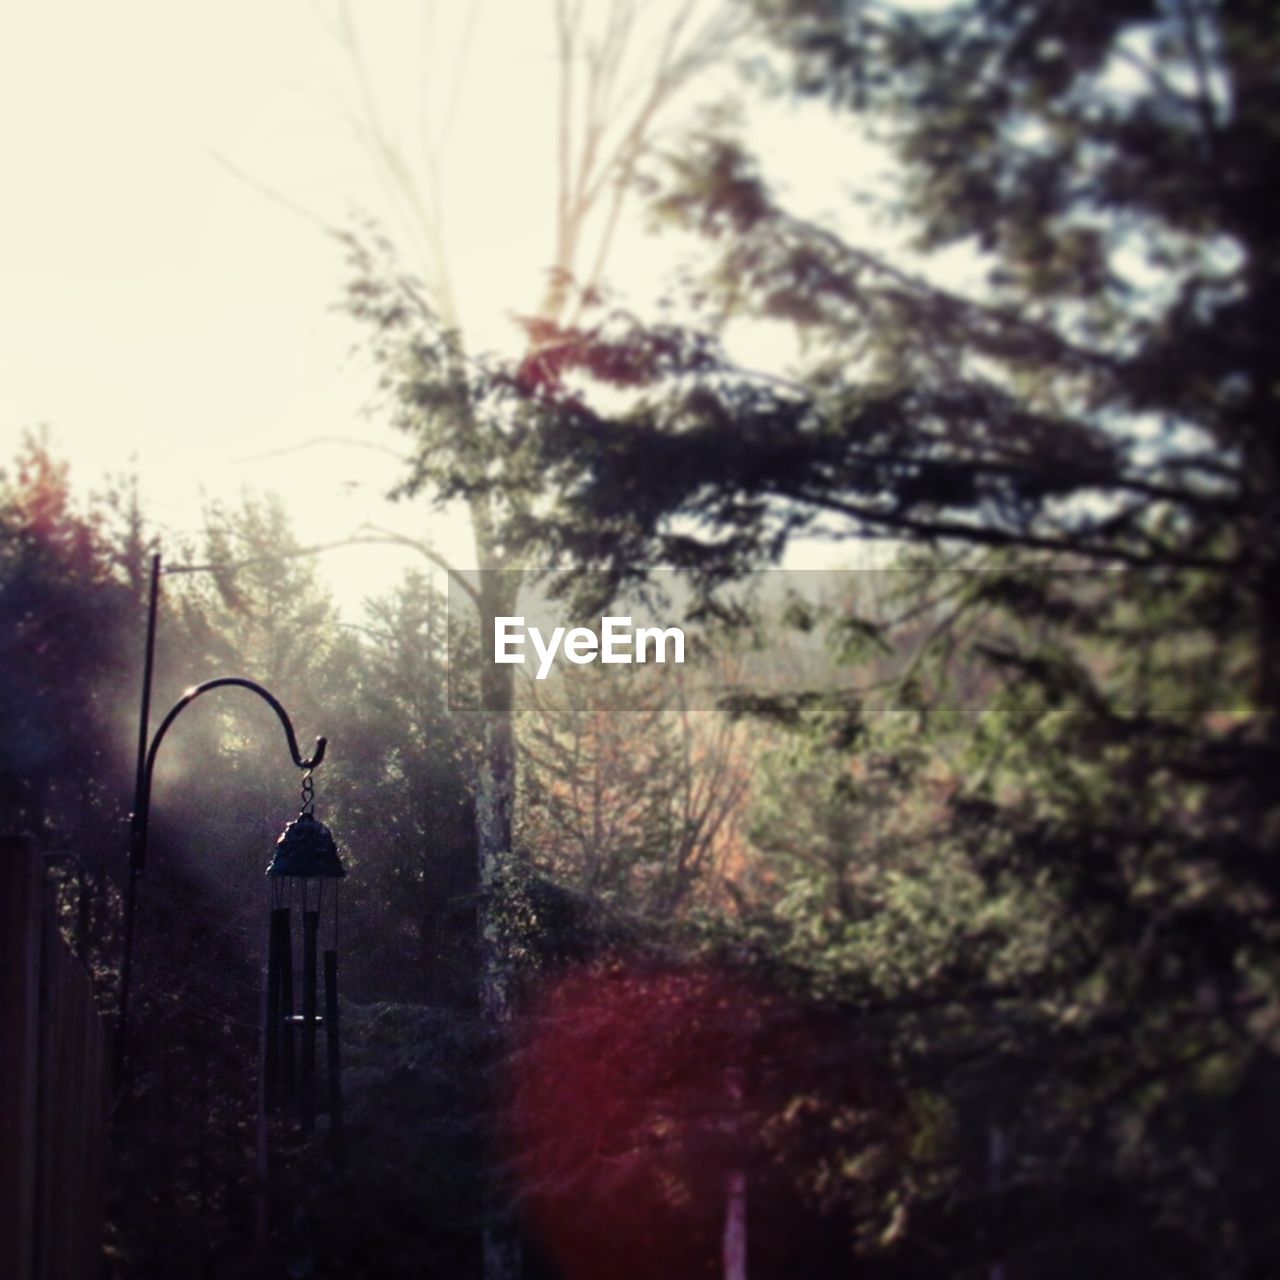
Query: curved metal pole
x=142 y=805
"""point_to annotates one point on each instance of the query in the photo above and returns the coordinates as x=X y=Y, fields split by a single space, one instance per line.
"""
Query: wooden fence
x=53 y=1086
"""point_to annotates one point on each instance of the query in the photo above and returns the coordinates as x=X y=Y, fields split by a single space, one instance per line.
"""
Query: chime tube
x=277 y=943
x=288 y=1075
x=331 y=1043
x=307 y=1071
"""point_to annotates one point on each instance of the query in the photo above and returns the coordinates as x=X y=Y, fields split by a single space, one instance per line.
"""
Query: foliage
x=1061 y=886
x=403 y=782
x=396 y=788
x=629 y=795
x=637 y=1087
x=996 y=982
x=64 y=610
x=409 y=1200
x=1036 y=859
x=1103 y=393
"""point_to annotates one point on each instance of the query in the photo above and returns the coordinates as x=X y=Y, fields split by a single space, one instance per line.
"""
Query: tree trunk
x=997 y=1157
x=734 y=1242
x=735 y=1227
x=495 y=803
x=495 y=798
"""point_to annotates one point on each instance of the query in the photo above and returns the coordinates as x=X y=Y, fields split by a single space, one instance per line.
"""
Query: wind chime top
x=306 y=846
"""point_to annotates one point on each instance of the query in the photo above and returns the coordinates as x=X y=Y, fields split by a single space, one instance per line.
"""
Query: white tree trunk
x=495 y=799
x=735 y=1227
x=734 y=1243
x=997 y=1159
x=502 y=1257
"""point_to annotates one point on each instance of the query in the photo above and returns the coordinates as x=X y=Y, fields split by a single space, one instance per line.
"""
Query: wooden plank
x=49 y=1092
x=53 y=1086
x=20 y=919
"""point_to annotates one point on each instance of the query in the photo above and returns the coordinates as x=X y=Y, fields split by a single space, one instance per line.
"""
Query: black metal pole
x=277 y=940
x=288 y=1073
x=137 y=828
x=331 y=1043
x=307 y=1071
x=137 y=850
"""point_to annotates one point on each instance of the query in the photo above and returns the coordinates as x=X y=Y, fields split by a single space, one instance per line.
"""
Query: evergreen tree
x=1105 y=393
x=617 y=75
x=629 y=796
x=1068 y=936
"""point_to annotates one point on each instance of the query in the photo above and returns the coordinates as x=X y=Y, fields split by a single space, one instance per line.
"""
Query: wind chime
x=306 y=858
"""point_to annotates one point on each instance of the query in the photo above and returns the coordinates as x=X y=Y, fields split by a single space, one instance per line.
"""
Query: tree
x=404 y=764
x=628 y=795
x=470 y=438
x=254 y=605
x=1055 y=845
x=1091 y=428
x=640 y=1088
x=1101 y=397
x=66 y=611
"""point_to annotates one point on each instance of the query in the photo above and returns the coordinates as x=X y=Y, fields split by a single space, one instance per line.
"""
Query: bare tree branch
x=316 y=441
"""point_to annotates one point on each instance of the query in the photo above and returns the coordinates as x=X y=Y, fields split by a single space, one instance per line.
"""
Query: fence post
x=21 y=909
x=53 y=1066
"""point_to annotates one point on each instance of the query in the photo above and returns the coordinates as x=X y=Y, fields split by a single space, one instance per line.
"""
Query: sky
x=168 y=293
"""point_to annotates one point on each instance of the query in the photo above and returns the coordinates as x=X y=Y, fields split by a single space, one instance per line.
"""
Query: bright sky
x=163 y=313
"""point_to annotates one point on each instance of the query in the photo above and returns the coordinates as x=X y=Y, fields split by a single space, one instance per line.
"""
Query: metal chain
x=308 y=794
